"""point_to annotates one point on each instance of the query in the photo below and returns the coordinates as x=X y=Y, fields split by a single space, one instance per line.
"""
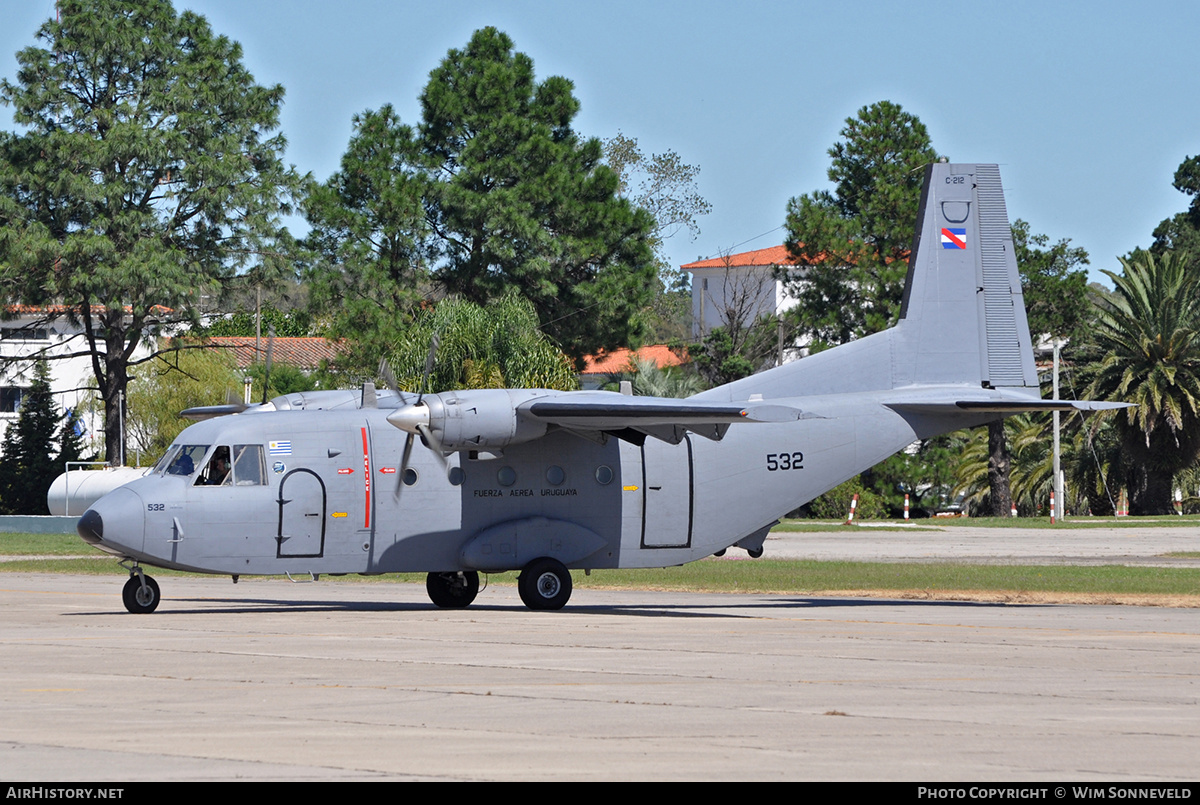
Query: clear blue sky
x=1084 y=105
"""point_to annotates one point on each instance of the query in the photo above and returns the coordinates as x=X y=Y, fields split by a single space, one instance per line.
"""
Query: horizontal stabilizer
x=1011 y=406
x=1002 y=406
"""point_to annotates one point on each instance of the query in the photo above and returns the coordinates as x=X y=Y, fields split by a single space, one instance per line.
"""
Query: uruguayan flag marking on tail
x=283 y=448
x=954 y=237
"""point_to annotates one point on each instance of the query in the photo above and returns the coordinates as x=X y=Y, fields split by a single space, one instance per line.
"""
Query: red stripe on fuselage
x=366 y=480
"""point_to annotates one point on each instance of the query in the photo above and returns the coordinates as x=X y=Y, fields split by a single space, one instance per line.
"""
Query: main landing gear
x=545 y=584
x=452 y=590
x=141 y=594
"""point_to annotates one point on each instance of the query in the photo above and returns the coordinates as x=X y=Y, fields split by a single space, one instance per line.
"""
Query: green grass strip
x=797 y=577
x=949 y=523
x=43 y=545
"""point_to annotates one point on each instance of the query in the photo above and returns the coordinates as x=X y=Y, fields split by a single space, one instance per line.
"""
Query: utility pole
x=1058 y=479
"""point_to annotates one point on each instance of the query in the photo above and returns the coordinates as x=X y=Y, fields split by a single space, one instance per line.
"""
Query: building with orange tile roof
x=739 y=287
x=306 y=354
x=598 y=368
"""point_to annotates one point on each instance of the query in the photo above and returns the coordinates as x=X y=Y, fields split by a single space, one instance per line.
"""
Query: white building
x=34 y=332
x=738 y=288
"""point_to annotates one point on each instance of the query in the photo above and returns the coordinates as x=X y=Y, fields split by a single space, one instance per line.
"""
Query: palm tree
x=1028 y=474
x=1149 y=333
x=651 y=381
x=494 y=346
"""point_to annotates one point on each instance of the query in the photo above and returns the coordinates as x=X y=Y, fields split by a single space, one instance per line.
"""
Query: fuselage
x=323 y=492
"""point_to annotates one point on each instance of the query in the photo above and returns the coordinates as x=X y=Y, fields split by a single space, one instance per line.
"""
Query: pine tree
x=27 y=468
x=146 y=173
x=493 y=191
x=855 y=240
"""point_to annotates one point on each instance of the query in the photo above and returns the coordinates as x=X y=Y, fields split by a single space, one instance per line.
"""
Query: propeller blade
x=408 y=443
x=270 y=348
x=434 y=445
x=414 y=418
x=386 y=375
x=429 y=360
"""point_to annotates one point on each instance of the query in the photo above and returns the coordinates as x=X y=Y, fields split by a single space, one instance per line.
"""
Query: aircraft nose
x=115 y=523
x=91 y=527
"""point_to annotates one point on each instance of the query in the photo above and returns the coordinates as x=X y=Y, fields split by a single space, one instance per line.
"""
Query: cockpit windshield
x=181 y=459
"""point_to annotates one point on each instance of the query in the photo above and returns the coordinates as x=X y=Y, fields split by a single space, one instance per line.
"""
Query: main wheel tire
x=545 y=584
x=139 y=600
x=452 y=591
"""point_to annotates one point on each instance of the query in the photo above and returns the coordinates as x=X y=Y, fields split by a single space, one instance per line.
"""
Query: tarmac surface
x=269 y=680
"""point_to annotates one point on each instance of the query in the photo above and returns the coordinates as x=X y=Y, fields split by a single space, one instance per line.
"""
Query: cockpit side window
x=249 y=465
x=216 y=471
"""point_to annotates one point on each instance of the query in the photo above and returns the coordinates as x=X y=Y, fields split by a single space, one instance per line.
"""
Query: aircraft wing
x=634 y=418
x=200 y=413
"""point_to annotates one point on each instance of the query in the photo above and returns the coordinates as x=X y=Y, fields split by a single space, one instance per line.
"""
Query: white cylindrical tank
x=85 y=487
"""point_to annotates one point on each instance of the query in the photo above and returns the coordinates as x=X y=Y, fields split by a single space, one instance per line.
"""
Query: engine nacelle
x=475 y=419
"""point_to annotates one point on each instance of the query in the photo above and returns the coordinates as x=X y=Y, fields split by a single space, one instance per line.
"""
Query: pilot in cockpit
x=218 y=468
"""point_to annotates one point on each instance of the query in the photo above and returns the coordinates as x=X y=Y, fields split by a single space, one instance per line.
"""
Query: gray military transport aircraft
x=545 y=481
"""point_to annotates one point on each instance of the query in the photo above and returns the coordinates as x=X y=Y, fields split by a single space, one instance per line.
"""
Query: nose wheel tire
x=545 y=584
x=139 y=599
x=452 y=590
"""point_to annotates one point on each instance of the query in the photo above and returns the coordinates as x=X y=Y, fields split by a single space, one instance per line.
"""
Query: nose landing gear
x=141 y=594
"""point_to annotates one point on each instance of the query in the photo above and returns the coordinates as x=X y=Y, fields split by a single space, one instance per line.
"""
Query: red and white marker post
x=853 y=506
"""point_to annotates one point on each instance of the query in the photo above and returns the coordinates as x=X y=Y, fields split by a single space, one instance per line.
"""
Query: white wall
x=70 y=378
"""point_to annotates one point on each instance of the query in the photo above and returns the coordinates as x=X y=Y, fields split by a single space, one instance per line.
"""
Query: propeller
x=411 y=420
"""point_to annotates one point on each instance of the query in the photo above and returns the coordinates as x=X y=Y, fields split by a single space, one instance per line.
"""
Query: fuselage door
x=667 y=490
x=301 y=514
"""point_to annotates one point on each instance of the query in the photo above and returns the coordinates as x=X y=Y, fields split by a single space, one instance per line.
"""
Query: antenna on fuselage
x=270 y=347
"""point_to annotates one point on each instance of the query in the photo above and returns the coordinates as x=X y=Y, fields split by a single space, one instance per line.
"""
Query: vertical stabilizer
x=962 y=320
x=963 y=316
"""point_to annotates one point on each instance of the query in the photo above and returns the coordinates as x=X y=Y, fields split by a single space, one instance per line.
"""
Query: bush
x=834 y=504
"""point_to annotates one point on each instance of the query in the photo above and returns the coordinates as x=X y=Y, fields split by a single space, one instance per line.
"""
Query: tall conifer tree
x=28 y=467
x=146 y=174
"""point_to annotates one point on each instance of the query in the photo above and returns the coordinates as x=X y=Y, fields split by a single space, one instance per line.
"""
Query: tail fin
x=963 y=315
x=962 y=320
